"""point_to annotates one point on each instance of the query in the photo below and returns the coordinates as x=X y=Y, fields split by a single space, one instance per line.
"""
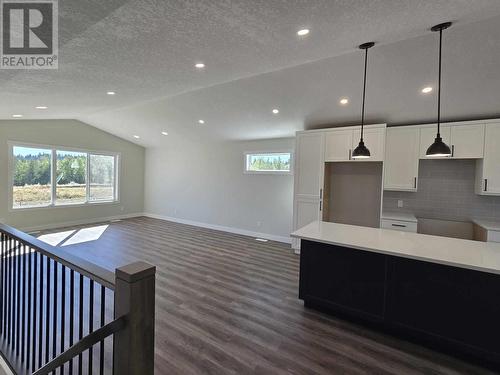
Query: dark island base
x=450 y=309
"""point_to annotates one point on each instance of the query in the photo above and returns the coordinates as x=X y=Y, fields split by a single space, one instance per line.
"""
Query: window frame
x=247 y=153
x=53 y=175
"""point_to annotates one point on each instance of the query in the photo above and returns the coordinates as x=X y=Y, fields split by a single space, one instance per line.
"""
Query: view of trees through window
x=71 y=177
x=32 y=177
x=270 y=162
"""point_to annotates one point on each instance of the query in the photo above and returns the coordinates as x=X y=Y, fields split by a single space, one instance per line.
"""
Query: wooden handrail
x=85 y=343
x=92 y=271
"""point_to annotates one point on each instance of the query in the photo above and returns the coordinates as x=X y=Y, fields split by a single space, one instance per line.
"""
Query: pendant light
x=362 y=152
x=439 y=148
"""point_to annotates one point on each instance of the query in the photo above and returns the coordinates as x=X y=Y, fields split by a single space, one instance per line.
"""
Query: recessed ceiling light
x=136 y=137
x=17 y=116
x=164 y=133
x=303 y=32
x=41 y=107
x=344 y=101
x=201 y=122
x=111 y=93
x=276 y=111
x=427 y=90
x=199 y=65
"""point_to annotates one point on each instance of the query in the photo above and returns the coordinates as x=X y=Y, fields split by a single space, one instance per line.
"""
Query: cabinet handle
x=320 y=193
x=485 y=184
x=320 y=205
x=452 y=150
x=349 y=154
x=399 y=225
x=415 y=183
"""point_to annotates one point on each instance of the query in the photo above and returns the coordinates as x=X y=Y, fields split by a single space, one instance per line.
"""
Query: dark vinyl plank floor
x=227 y=304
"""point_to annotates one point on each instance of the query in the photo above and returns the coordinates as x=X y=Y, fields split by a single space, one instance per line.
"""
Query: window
x=269 y=162
x=71 y=177
x=31 y=177
x=49 y=176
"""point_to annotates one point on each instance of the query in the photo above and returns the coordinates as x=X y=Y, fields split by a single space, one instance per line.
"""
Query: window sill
x=65 y=205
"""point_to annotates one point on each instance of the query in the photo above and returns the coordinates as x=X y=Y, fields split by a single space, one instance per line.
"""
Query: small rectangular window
x=268 y=162
x=31 y=177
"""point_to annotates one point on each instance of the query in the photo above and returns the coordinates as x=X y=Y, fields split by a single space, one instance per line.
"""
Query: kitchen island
x=442 y=292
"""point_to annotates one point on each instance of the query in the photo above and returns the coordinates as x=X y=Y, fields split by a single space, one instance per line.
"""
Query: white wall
x=200 y=181
x=71 y=133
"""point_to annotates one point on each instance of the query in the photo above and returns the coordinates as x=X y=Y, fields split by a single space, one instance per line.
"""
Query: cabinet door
x=338 y=145
x=374 y=140
x=309 y=165
x=467 y=141
x=428 y=135
x=491 y=162
x=307 y=211
x=401 y=158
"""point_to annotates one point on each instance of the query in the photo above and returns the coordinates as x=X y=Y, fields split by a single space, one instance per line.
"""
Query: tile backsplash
x=445 y=191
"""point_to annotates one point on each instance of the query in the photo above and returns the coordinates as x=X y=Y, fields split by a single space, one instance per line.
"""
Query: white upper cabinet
x=488 y=169
x=309 y=165
x=374 y=140
x=401 y=158
x=428 y=135
x=338 y=145
x=467 y=141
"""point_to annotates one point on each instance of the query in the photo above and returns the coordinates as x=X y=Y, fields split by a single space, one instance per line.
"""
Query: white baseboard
x=222 y=228
x=79 y=222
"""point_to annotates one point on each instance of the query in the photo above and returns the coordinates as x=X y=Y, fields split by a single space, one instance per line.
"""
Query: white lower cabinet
x=401 y=158
x=403 y=226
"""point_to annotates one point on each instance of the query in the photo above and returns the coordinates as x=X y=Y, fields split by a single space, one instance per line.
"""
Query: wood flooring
x=227 y=304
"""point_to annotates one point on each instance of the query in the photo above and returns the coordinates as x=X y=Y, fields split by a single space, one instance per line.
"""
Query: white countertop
x=480 y=256
x=399 y=216
x=488 y=225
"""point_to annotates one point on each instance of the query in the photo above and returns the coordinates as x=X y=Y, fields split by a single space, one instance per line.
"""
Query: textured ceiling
x=145 y=51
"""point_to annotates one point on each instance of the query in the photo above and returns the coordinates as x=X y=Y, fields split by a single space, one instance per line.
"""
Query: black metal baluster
x=103 y=309
x=80 y=324
x=35 y=294
x=23 y=300
x=28 y=315
x=2 y=312
x=40 y=315
x=63 y=310
x=54 y=317
x=47 y=312
x=9 y=291
x=18 y=294
x=91 y=321
x=71 y=314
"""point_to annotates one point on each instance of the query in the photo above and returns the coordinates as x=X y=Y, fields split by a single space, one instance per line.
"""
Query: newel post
x=135 y=298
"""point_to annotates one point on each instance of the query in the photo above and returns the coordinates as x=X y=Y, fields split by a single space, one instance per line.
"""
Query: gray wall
x=198 y=180
x=71 y=133
x=445 y=191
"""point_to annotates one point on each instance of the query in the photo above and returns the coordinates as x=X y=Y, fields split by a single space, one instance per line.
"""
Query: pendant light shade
x=439 y=148
x=362 y=152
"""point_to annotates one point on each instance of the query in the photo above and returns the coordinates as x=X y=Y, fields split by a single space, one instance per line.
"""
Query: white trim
x=65 y=224
x=4 y=367
x=244 y=232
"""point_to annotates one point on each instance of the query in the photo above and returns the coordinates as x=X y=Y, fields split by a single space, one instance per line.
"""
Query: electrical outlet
x=400 y=203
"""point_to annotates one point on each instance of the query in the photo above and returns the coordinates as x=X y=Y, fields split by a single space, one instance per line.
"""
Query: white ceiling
x=146 y=51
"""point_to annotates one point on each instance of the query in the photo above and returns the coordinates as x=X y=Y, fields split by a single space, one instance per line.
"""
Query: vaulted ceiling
x=145 y=51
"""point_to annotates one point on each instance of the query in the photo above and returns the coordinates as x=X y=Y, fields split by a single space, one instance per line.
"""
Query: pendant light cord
x=439 y=82
x=364 y=94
